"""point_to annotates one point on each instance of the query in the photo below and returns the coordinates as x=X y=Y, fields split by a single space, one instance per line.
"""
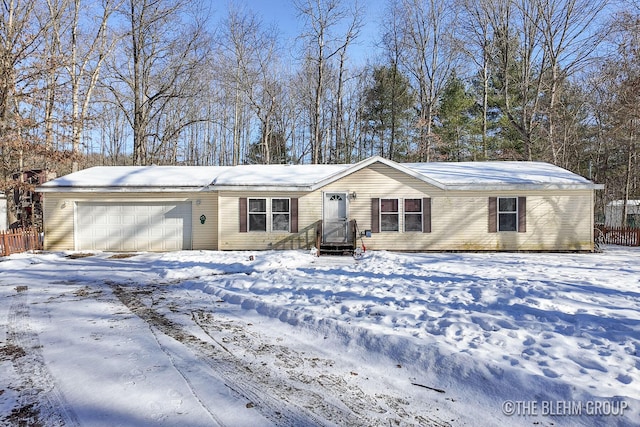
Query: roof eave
x=262 y=188
x=122 y=189
x=522 y=187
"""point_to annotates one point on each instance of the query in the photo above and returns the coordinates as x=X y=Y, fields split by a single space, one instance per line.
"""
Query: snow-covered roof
x=447 y=176
x=499 y=175
x=138 y=176
x=621 y=203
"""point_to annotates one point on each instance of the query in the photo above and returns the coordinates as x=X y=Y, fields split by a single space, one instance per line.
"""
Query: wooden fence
x=19 y=240
x=618 y=236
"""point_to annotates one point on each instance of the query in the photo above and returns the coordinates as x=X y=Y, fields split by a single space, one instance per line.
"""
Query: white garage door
x=133 y=226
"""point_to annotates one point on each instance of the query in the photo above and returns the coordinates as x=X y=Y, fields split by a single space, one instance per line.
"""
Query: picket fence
x=618 y=236
x=20 y=240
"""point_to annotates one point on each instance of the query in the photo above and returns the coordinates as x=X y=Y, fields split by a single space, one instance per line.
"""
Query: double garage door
x=133 y=226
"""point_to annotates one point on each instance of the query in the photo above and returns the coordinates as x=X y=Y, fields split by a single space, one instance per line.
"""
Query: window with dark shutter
x=243 y=214
x=522 y=214
x=507 y=214
x=493 y=214
x=426 y=218
x=375 y=215
x=294 y=215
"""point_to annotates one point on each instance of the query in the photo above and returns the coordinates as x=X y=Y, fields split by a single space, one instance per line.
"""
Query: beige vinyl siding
x=556 y=220
x=205 y=236
x=366 y=183
x=379 y=181
x=58 y=222
x=229 y=228
x=60 y=215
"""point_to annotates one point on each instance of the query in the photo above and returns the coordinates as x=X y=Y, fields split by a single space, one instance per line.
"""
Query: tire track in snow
x=295 y=391
x=308 y=370
x=241 y=378
x=41 y=402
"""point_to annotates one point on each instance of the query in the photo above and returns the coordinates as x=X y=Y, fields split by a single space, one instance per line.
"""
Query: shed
x=614 y=213
x=479 y=206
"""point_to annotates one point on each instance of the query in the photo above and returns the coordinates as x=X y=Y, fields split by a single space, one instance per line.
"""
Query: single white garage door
x=133 y=226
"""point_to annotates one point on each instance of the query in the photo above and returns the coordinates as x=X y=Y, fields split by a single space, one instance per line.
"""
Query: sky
x=283 y=15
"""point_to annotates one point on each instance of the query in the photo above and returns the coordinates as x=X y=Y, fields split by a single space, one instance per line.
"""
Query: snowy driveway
x=214 y=338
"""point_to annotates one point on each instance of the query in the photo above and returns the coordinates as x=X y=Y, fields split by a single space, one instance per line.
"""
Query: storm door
x=335 y=218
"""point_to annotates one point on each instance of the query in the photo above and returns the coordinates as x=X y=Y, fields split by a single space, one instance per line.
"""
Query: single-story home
x=470 y=206
x=614 y=211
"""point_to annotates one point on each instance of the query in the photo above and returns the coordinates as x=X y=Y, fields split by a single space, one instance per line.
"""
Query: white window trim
x=398 y=213
x=405 y=213
x=269 y=214
x=498 y=212
x=266 y=213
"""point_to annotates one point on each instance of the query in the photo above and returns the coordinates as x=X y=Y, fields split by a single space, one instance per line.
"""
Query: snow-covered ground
x=284 y=338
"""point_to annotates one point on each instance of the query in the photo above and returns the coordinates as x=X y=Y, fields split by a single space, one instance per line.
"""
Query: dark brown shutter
x=426 y=215
x=522 y=214
x=493 y=214
x=375 y=215
x=294 y=215
x=243 y=214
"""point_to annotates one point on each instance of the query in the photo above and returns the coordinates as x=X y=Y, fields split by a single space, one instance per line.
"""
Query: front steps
x=336 y=249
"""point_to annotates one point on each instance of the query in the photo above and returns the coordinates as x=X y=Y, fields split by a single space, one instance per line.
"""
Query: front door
x=334 y=217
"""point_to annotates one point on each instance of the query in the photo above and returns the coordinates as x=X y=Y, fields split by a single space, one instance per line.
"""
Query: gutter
x=123 y=189
x=521 y=187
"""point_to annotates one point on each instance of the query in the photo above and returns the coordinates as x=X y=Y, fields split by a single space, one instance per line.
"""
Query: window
x=389 y=215
x=413 y=215
x=385 y=215
x=280 y=214
x=507 y=214
x=257 y=214
x=268 y=215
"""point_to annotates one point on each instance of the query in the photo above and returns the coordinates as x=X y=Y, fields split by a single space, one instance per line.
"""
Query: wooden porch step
x=336 y=249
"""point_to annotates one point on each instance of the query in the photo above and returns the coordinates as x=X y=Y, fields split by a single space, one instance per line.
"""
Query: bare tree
x=476 y=41
x=570 y=35
x=156 y=65
x=80 y=42
x=618 y=108
x=321 y=18
x=342 y=152
x=256 y=55
x=22 y=25
x=429 y=55
x=234 y=50
x=518 y=66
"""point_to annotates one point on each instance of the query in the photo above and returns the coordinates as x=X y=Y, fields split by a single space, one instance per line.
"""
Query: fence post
x=19 y=240
x=5 y=244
